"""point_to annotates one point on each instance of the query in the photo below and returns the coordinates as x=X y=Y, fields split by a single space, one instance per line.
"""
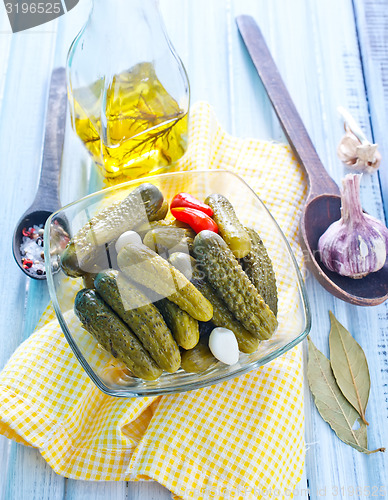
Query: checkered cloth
x=243 y=438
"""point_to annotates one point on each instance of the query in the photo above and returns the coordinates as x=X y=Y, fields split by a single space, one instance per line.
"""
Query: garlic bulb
x=354 y=148
x=356 y=244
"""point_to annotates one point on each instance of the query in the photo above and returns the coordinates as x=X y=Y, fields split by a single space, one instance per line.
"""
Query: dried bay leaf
x=332 y=405
x=350 y=367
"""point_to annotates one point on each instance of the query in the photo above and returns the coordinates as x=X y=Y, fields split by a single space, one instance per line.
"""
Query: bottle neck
x=124 y=33
x=124 y=13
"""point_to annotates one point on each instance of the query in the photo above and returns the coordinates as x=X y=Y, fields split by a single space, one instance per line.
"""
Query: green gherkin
x=230 y=282
x=258 y=267
x=88 y=245
x=198 y=359
x=165 y=240
x=114 y=335
x=184 y=328
x=230 y=228
x=144 y=319
x=222 y=317
x=147 y=268
x=143 y=229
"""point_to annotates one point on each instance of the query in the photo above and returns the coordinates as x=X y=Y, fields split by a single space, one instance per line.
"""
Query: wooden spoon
x=323 y=203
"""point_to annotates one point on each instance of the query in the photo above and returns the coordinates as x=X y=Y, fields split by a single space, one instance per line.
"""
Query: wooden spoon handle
x=319 y=180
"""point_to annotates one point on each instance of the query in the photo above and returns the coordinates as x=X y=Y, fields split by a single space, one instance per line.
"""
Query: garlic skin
x=354 y=148
x=362 y=157
x=356 y=244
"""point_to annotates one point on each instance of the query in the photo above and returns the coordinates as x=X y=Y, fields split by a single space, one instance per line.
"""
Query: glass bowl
x=293 y=309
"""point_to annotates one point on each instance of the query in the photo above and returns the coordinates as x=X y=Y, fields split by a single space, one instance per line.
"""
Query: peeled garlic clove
x=223 y=345
x=357 y=244
x=126 y=238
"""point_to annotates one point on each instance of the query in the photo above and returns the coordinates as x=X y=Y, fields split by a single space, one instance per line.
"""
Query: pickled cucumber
x=184 y=328
x=143 y=228
x=230 y=228
x=144 y=319
x=247 y=342
x=198 y=359
x=231 y=283
x=146 y=267
x=169 y=239
x=162 y=212
x=114 y=335
x=88 y=280
x=258 y=267
x=80 y=256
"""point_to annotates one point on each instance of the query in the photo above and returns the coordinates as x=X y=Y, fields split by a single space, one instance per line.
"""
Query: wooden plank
x=29 y=477
x=84 y=490
x=148 y=490
x=102 y=490
x=5 y=47
x=372 y=18
x=5 y=448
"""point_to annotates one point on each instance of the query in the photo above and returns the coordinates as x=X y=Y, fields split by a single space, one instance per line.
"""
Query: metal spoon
x=47 y=197
x=323 y=202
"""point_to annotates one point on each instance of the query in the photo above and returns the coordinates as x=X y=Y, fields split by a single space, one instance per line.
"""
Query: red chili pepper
x=196 y=219
x=28 y=233
x=189 y=201
x=27 y=263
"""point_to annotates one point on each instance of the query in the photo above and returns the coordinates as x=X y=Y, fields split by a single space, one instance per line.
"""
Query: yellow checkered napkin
x=241 y=439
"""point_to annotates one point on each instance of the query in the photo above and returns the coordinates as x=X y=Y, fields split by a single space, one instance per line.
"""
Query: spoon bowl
x=28 y=219
x=319 y=213
x=47 y=197
x=323 y=204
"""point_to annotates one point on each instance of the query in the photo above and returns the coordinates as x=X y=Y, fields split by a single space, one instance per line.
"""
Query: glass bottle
x=128 y=90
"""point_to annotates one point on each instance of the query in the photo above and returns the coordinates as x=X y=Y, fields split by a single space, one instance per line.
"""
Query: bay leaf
x=350 y=367
x=332 y=405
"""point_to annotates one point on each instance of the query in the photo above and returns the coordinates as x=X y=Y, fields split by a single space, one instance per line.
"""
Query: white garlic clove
x=126 y=238
x=223 y=345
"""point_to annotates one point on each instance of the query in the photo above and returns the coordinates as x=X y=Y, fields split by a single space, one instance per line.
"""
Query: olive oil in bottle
x=132 y=126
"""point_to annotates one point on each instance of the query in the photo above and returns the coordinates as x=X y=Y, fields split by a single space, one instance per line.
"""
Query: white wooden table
x=330 y=53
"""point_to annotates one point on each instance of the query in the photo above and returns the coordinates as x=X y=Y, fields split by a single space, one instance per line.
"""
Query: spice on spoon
x=356 y=244
x=31 y=249
x=354 y=148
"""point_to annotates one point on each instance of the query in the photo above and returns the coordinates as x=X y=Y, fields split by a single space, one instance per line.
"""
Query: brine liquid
x=133 y=128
